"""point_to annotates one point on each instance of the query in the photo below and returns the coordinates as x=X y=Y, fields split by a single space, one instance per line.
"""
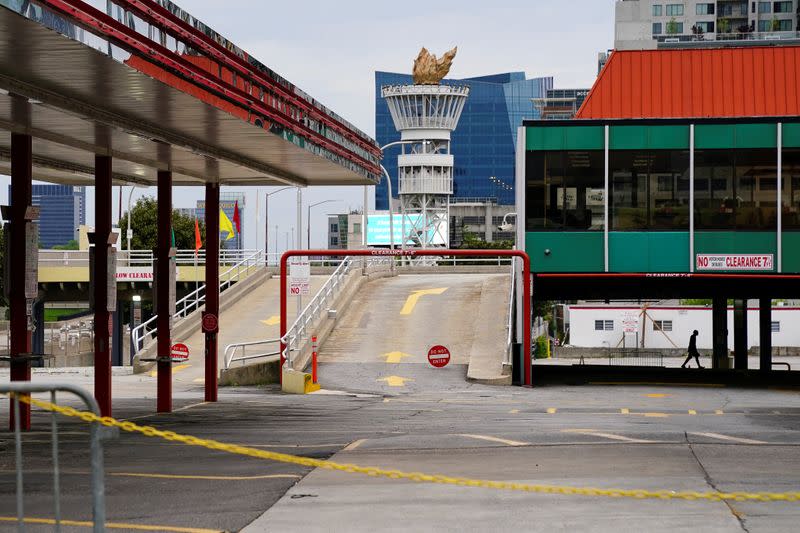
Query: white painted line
x=611 y=436
x=728 y=437
x=495 y=439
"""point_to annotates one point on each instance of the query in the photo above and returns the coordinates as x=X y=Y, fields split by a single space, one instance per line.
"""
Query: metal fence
x=635 y=358
x=96 y=436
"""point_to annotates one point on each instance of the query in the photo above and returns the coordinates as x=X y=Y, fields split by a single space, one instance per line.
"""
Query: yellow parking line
x=656 y=415
x=513 y=412
x=692 y=412
x=353 y=445
x=625 y=411
x=719 y=412
x=175 y=369
x=551 y=410
x=111 y=525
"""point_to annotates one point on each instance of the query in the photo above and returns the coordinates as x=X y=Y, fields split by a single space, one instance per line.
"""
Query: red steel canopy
x=697 y=83
x=148 y=84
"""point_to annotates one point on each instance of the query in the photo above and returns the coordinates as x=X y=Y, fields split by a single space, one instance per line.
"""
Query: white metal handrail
x=191 y=302
x=144 y=258
x=237 y=352
x=299 y=329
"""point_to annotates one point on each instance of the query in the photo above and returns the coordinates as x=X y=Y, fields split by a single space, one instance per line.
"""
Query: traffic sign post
x=179 y=353
x=439 y=356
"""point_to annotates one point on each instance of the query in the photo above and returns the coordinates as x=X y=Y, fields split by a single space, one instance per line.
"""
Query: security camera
x=505 y=227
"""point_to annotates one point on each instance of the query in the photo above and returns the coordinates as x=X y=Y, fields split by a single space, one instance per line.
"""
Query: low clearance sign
x=748 y=262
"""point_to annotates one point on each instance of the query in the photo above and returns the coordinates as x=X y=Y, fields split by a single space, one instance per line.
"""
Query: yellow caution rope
x=171 y=436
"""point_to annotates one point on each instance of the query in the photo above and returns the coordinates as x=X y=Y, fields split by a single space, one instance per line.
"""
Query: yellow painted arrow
x=272 y=321
x=395 y=357
x=412 y=300
x=395 y=381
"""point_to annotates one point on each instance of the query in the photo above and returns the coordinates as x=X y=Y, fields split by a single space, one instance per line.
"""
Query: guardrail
x=192 y=301
x=15 y=390
x=143 y=258
x=237 y=352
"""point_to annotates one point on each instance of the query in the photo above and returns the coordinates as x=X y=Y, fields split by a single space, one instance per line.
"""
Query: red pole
x=526 y=320
x=526 y=293
x=284 y=326
x=102 y=334
x=212 y=288
x=314 y=360
x=164 y=363
x=21 y=189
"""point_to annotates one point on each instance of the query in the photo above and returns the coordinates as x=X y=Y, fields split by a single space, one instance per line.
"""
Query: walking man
x=693 y=351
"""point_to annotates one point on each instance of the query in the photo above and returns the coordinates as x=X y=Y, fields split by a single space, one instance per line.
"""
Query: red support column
x=21 y=176
x=102 y=333
x=164 y=311
x=210 y=322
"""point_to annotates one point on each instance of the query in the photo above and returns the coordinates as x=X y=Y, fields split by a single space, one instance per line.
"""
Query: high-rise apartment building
x=63 y=210
x=483 y=145
x=650 y=24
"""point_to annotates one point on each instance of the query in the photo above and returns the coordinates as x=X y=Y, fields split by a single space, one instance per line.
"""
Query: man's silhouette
x=693 y=351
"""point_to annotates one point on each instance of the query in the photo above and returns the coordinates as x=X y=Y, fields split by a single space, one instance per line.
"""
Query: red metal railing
x=153 y=52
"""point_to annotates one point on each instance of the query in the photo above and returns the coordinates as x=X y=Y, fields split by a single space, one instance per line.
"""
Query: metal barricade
x=635 y=358
x=96 y=436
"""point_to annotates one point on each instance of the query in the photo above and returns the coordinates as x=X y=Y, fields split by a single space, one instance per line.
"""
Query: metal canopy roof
x=77 y=101
x=697 y=83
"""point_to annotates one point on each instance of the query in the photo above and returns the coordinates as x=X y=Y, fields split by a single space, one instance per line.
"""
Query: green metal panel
x=568 y=251
x=544 y=139
x=710 y=136
x=791 y=252
x=669 y=137
x=627 y=137
x=756 y=135
x=653 y=251
x=565 y=138
x=585 y=138
x=736 y=242
x=649 y=137
x=791 y=135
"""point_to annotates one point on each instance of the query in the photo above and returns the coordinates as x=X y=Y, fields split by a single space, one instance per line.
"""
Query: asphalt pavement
x=435 y=422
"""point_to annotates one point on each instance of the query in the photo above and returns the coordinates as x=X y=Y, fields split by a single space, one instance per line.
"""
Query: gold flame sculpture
x=428 y=70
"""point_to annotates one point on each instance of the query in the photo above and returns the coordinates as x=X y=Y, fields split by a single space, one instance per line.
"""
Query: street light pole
x=309 y=218
x=266 y=224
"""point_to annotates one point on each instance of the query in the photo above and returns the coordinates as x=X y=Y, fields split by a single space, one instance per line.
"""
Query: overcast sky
x=331 y=49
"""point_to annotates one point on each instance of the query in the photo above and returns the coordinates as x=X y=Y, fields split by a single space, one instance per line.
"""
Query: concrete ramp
x=385 y=335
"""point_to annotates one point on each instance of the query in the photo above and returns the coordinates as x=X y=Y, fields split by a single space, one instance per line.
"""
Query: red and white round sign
x=210 y=323
x=180 y=352
x=439 y=356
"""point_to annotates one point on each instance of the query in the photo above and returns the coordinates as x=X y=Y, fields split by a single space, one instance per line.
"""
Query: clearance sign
x=749 y=262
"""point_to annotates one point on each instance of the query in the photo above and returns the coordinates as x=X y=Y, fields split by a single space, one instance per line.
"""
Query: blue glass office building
x=484 y=143
x=63 y=209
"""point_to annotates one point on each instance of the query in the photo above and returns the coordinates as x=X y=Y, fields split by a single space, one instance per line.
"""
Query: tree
x=144 y=221
x=776 y=25
x=724 y=25
x=672 y=26
x=70 y=245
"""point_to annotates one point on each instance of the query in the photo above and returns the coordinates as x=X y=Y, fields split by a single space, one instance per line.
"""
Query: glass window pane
x=735 y=189
x=791 y=189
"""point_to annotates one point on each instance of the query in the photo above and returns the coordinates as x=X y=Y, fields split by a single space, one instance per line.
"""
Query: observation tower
x=425 y=114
